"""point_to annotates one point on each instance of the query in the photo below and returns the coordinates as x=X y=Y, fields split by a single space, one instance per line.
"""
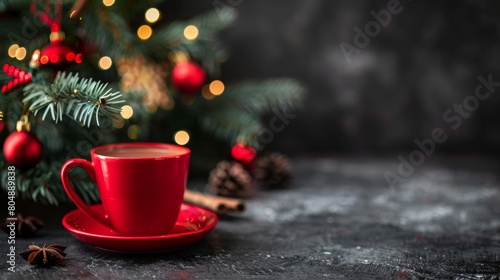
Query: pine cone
x=24 y=227
x=230 y=179
x=273 y=170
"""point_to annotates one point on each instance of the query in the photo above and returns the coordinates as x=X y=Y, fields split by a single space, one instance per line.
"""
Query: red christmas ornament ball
x=244 y=154
x=188 y=77
x=22 y=149
x=59 y=54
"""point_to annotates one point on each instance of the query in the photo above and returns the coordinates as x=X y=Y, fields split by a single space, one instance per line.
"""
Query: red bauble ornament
x=188 y=77
x=57 y=53
x=22 y=149
x=244 y=154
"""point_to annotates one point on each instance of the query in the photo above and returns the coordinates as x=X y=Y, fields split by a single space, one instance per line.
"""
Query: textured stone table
x=340 y=220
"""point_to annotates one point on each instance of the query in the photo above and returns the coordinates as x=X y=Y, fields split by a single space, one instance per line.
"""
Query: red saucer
x=193 y=224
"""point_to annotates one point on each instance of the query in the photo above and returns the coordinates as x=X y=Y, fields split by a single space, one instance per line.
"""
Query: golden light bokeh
x=181 y=137
x=127 y=112
x=205 y=93
x=133 y=132
x=108 y=3
x=217 y=87
x=20 y=53
x=144 y=32
x=118 y=123
x=12 y=50
x=152 y=15
x=105 y=63
x=191 y=32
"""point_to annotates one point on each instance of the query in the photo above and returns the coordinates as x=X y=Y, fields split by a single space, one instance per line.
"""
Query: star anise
x=44 y=256
x=24 y=227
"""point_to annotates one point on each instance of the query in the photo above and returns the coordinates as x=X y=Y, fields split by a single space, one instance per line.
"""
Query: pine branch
x=77 y=97
x=14 y=4
x=43 y=184
x=215 y=21
x=235 y=114
x=123 y=7
x=106 y=30
x=205 y=48
x=232 y=123
x=260 y=96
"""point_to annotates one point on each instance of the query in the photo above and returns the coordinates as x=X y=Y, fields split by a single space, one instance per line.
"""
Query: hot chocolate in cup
x=141 y=186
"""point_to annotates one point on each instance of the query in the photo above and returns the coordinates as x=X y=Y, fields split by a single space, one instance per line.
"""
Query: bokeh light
x=44 y=59
x=217 y=87
x=105 y=63
x=78 y=58
x=205 y=93
x=144 y=32
x=12 y=50
x=118 y=123
x=127 y=112
x=191 y=32
x=108 y=3
x=152 y=15
x=133 y=132
x=20 y=53
x=70 y=56
x=181 y=137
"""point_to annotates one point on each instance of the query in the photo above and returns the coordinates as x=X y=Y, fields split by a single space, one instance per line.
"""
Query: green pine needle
x=230 y=124
x=260 y=96
x=236 y=113
x=73 y=96
x=205 y=48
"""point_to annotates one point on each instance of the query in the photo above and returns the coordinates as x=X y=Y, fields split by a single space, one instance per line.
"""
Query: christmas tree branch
x=107 y=30
x=260 y=96
x=43 y=184
x=230 y=124
x=204 y=48
x=71 y=95
x=14 y=4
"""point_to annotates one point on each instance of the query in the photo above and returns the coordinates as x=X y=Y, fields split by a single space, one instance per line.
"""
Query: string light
x=133 y=131
x=20 y=53
x=35 y=60
x=12 y=50
x=105 y=63
x=127 y=112
x=181 y=137
x=191 y=32
x=144 y=32
x=216 y=87
x=152 y=15
x=108 y=3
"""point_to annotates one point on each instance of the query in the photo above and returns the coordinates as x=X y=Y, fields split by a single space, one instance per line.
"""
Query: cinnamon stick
x=220 y=205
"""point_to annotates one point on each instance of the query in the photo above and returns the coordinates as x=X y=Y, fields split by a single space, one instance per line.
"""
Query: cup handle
x=89 y=168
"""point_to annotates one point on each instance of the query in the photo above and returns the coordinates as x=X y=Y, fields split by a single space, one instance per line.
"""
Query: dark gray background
x=395 y=91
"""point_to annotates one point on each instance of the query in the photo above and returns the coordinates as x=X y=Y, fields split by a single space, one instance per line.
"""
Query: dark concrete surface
x=340 y=220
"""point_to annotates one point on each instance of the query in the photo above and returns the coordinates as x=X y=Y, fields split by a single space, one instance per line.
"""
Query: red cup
x=141 y=186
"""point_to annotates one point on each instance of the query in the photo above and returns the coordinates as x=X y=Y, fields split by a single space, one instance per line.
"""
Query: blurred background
x=395 y=90
x=372 y=89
